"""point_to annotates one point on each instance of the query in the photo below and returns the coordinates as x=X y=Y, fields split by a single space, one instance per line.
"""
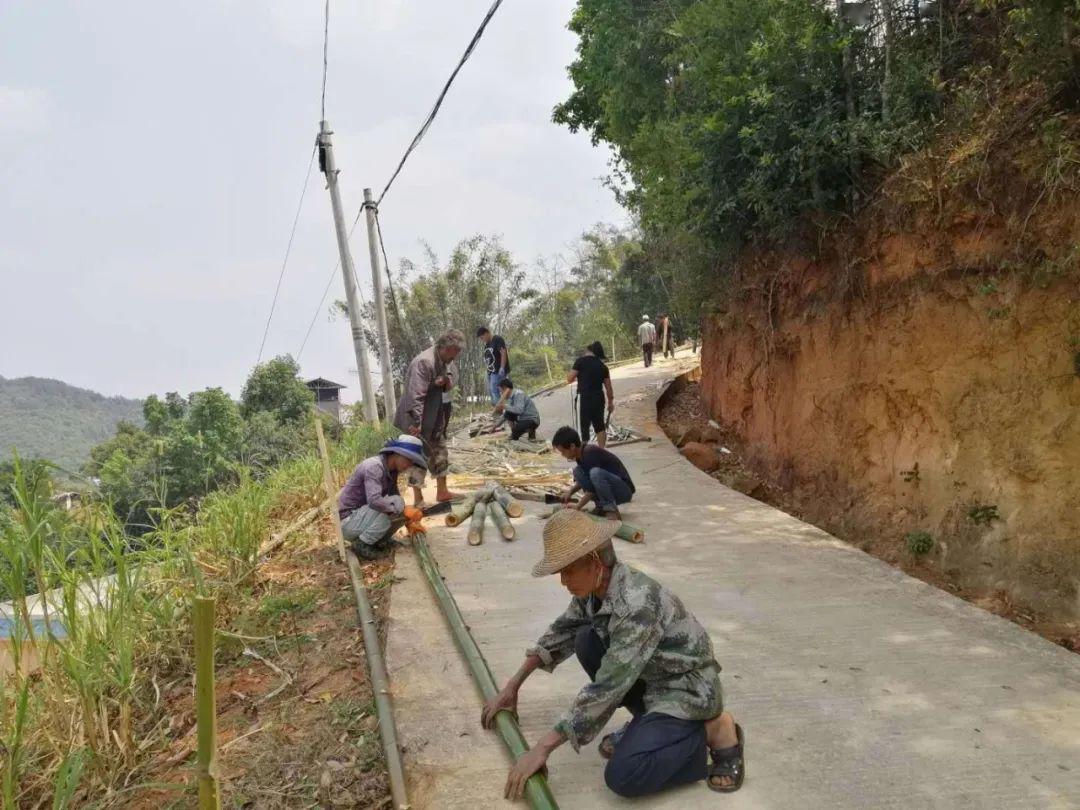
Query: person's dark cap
x=481 y=331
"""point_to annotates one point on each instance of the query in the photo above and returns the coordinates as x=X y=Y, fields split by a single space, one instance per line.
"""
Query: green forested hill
x=53 y=420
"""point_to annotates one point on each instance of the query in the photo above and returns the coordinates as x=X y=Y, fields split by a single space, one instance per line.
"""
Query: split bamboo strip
x=476 y=527
x=328 y=482
x=206 y=704
x=499 y=518
x=537 y=792
x=506 y=500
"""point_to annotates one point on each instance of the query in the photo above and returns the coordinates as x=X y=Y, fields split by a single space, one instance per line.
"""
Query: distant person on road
x=598 y=473
x=496 y=359
x=517 y=408
x=642 y=649
x=424 y=408
x=647 y=338
x=664 y=329
x=594 y=383
x=369 y=505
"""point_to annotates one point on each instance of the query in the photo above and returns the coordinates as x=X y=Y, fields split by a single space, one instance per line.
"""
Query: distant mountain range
x=53 y=420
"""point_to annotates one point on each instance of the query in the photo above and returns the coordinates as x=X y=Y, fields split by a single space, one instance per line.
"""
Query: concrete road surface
x=858 y=686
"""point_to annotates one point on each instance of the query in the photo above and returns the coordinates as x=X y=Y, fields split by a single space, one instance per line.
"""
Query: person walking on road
x=517 y=408
x=642 y=649
x=424 y=408
x=647 y=338
x=370 y=506
x=496 y=359
x=593 y=379
x=597 y=472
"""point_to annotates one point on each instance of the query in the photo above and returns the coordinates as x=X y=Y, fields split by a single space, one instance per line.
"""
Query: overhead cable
x=438 y=102
x=285 y=261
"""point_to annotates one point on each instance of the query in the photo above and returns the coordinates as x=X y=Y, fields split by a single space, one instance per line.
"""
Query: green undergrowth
x=82 y=711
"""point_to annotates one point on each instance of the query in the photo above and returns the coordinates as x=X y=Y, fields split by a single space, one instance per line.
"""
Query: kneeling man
x=370 y=506
x=641 y=649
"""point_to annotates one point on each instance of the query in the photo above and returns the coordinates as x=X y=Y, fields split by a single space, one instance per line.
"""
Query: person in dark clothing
x=666 y=335
x=598 y=472
x=594 y=381
x=496 y=359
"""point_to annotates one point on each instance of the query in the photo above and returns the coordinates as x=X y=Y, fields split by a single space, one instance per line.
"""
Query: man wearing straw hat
x=370 y=506
x=641 y=649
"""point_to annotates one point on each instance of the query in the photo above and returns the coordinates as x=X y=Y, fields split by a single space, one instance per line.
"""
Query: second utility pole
x=326 y=163
x=380 y=303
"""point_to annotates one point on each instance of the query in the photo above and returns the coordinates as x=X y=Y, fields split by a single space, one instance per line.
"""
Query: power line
x=326 y=292
x=411 y=347
x=325 y=48
x=438 y=102
x=285 y=261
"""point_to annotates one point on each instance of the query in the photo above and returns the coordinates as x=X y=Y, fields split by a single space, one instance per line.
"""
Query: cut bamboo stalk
x=506 y=501
x=631 y=534
x=206 y=704
x=499 y=518
x=537 y=791
x=459 y=513
x=476 y=527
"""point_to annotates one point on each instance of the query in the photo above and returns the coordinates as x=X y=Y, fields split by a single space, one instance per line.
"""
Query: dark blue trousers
x=657 y=751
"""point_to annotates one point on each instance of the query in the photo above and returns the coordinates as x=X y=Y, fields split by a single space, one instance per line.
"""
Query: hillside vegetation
x=49 y=419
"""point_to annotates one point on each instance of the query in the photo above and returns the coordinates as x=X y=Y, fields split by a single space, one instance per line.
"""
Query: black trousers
x=591 y=412
x=657 y=751
x=519 y=427
x=646 y=350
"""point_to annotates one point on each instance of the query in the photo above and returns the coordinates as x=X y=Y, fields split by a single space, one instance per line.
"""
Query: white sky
x=151 y=157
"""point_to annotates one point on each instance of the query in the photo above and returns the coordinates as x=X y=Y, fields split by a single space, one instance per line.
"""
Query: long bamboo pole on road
x=205 y=704
x=537 y=791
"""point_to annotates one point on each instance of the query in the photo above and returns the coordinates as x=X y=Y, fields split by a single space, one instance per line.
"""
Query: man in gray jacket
x=424 y=407
x=647 y=338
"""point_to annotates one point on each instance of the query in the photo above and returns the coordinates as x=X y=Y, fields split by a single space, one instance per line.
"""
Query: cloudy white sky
x=151 y=158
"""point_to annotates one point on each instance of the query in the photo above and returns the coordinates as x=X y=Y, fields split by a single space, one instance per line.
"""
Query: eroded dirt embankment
x=919 y=388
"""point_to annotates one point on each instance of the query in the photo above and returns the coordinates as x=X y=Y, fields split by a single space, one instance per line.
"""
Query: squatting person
x=642 y=649
x=517 y=408
x=369 y=505
x=424 y=407
x=598 y=473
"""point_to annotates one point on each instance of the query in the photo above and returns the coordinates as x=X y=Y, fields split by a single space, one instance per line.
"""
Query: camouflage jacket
x=650 y=636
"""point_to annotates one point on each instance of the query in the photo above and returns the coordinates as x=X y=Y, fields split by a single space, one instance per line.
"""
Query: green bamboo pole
x=499 y=518
x=508 y=503
x=537 y=791
x=631 y=534
x=476 y=527
x=206 y=704
x=461 y=512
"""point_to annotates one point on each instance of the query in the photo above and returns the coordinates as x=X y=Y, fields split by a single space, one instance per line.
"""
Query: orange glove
x=415 y=528
x=412 y=514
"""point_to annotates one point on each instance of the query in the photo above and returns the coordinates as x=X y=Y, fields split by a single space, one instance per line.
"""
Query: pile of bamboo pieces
x=490 y=501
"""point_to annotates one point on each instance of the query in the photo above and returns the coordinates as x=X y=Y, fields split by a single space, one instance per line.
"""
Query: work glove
x=414 y=521
x=397 y=503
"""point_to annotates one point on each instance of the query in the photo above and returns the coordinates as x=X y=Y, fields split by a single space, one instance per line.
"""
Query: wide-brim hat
x=570 y=535
x=408 y=446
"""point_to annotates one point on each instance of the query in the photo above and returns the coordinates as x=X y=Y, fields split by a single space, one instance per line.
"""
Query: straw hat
x=569 y=536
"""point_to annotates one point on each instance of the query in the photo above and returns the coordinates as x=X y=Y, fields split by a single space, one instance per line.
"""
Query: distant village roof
x=320 y=382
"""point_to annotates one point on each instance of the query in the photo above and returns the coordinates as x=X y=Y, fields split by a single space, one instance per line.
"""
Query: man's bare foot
x=443 y=497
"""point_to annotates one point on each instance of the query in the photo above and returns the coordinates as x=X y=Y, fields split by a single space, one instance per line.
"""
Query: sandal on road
x=608 y=743
x=727 y=763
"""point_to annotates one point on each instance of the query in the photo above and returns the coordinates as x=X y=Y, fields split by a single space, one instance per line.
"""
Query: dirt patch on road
x=682 y=415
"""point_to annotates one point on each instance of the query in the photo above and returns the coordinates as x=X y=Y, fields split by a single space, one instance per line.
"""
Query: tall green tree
x=275 y=387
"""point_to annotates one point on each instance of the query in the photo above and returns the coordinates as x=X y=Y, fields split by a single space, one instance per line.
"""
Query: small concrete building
x=326 y=396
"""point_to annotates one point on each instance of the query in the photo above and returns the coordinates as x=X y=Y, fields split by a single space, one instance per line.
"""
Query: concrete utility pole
x=380 y=303
x=326 y=160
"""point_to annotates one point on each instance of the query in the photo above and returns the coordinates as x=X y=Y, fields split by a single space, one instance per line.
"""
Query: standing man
x=518 y=409
x=593 y=379
x=424 y=407
x=496 y=359
x=370 y=506
x=597 y=472
x=667 y=339
x=641 y=649
x=646 y=337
